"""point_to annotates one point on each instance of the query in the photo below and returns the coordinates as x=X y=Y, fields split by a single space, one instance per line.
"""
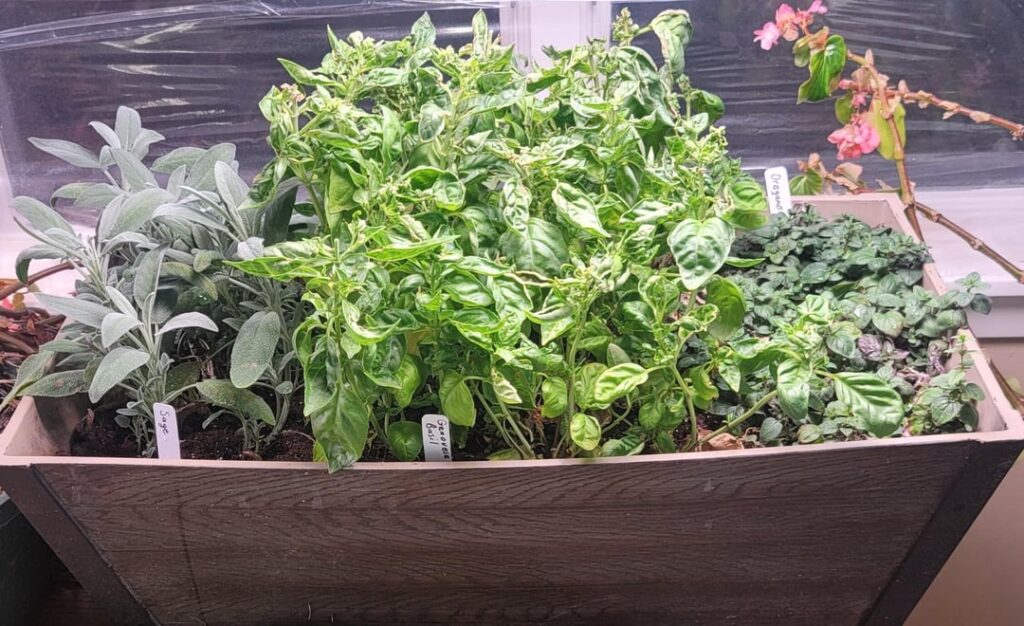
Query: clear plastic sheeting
x=197 y=71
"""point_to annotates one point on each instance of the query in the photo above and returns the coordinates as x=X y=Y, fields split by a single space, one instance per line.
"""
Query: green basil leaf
x=555 y=397
x=793 y=380
x=340 y=428
x=732 y=308
x=504 y=390
x=700 y=249
x=618 y=381
x=409 y=379
x=405 y=440
x=585 y=431
x=674 y=30
x=540 y=248
x=456 y=400
x=576 y=208
x=466 y=289
x=872 y=399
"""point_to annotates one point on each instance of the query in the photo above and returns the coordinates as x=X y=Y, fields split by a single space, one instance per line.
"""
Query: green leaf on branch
x=456 y=400
x=793 y=380
x=825 y=67
x=82 y=311
x=409 y=380
x=887 y=139
x=802 y=51
x=706 y=102
x=242 y=402
x=844 y=108
x=539 y=248
x=732 y=307
x=405 y=440
x=113 y=369
x=615 y=382
x=57 y=385
x=554 y=393
x=807 y=184
x=674 y=30
x=871 y=399
x=254 y=347
x=577 y=209
x=585 y=431
x=340 y=427
x=700 y=249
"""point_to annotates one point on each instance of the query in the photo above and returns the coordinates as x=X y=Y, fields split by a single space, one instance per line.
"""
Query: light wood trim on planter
x=836 y=533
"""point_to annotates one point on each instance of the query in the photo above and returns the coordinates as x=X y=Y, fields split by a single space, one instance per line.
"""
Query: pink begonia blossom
x=788 y=24
x=859 y=99
x=817 y=7
x=768 y=35
x=786 y=21
x=855 y=139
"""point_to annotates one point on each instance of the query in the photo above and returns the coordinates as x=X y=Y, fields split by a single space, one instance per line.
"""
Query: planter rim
x=27 y=411
x=1013 y=425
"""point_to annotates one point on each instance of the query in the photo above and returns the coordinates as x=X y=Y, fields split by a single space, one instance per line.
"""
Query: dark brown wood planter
x=27 y=567
x=841 y=533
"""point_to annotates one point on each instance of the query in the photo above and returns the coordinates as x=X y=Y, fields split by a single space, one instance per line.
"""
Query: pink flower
x=784 y=15
x=7 y=304
x=859 y=99
x=855 y=139
x=786 y=19
x=817 y=7
x=768 y=35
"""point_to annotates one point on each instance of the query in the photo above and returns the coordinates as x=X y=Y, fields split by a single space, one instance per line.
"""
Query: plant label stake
x=776 y=182
x=437 y=438
x=167 y=445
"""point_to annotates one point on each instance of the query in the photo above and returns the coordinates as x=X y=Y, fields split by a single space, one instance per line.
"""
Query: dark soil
x=99 y=435
x=290 y=445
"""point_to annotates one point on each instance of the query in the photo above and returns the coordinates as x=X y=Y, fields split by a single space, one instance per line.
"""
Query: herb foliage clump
x=158 y=317
x=538 y=254
x=880 y=319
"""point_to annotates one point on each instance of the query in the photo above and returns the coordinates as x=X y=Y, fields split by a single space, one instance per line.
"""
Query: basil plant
x=536 y=253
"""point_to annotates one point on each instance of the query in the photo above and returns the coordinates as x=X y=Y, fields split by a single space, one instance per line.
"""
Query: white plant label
x=776 y=181
x=437 y=438
x=167 y=444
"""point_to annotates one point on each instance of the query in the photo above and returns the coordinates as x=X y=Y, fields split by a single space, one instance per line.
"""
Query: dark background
x=197 y=71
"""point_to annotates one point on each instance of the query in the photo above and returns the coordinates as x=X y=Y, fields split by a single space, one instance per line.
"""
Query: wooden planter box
x=840 y=533
x=27 y=567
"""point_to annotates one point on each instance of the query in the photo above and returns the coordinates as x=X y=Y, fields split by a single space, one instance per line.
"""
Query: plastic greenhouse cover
x=197 y=71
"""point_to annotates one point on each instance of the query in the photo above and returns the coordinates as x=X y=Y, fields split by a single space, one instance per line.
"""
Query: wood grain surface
x=806 y=538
